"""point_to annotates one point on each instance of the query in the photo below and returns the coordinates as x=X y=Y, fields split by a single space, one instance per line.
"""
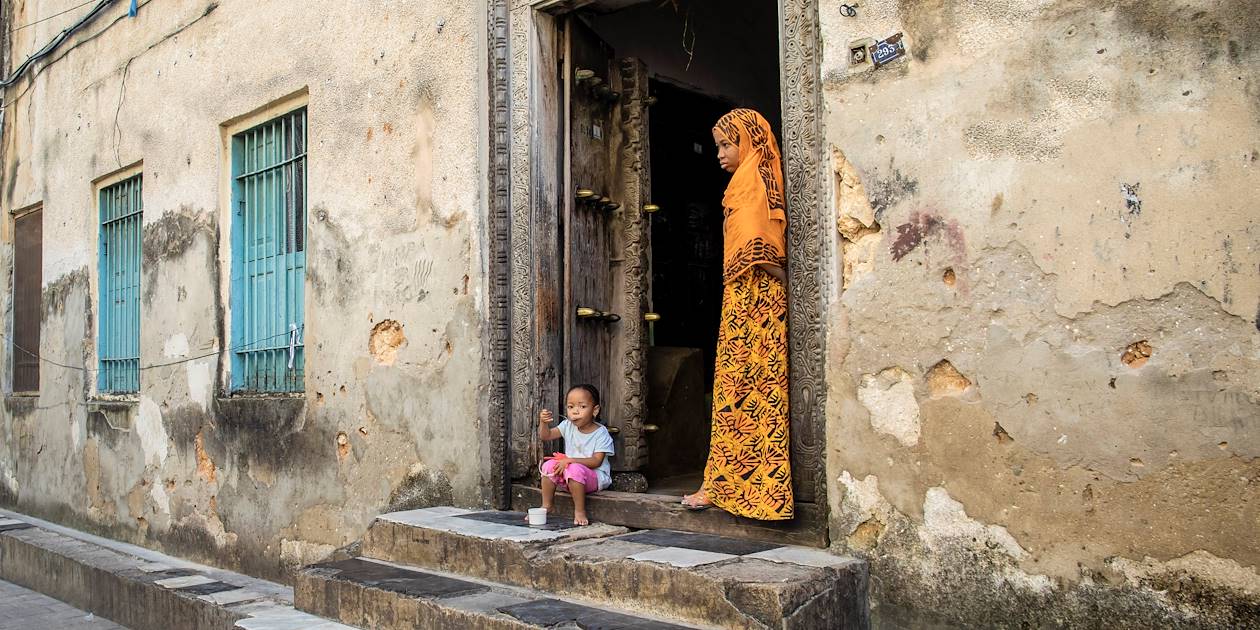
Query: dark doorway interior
x=687 y=233
x=705 y=57
x=686 y=283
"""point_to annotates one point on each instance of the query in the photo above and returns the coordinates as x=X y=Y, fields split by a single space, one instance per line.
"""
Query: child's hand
x=545 y=417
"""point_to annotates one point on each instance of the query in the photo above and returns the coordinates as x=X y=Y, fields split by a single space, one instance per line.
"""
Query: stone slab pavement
x=24 y=609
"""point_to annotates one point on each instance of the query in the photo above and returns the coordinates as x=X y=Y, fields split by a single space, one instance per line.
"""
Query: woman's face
x=727 y=153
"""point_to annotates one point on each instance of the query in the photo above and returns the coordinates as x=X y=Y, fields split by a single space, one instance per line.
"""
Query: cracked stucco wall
x=395 y=231
x=1043 y=407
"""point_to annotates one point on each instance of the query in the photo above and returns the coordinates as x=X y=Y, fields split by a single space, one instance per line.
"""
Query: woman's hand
x=775 y=271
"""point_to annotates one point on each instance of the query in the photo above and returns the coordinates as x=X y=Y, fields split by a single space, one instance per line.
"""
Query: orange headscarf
x=755 y=218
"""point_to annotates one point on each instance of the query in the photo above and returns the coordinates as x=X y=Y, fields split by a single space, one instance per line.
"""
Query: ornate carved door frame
x=524 y=179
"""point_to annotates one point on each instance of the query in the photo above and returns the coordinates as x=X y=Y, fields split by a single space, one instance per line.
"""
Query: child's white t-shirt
x=578 y=444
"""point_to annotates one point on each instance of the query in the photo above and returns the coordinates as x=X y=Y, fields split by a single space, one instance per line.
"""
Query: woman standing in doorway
x=748 y=472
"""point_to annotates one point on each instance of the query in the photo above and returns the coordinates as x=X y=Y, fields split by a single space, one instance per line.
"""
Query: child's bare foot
x=579 y=518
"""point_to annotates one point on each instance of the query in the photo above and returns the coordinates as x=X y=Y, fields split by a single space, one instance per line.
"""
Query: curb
x=140 y=588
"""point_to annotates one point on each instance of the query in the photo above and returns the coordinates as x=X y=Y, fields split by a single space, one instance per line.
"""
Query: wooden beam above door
x=558 y=7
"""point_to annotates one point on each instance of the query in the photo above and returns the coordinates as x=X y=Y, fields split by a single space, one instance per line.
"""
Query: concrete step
x=386 y=596
x=696 y=578
x=655 y=511
x=140 y=588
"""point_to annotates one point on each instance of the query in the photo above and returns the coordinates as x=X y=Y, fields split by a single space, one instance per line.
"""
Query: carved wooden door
x=605 y=234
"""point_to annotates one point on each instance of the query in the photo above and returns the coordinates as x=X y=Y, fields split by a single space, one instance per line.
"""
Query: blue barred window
x=118 y=345
x=269 y=255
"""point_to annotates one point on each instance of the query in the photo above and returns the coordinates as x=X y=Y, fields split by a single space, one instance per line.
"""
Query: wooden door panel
x=587 y=238
x=606 y=236
x=630 y=267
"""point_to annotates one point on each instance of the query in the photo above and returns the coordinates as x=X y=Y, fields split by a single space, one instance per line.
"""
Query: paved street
x=26 y=609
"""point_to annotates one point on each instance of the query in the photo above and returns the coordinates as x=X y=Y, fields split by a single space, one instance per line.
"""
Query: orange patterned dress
x=748 y=472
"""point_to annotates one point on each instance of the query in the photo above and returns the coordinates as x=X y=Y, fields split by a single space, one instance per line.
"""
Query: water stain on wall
x=886 y=192
x=923 y=226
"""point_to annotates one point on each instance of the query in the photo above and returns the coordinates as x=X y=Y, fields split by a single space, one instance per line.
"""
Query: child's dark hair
x=588 y=388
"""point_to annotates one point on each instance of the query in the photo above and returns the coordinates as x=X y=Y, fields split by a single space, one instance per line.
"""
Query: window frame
x=111 y=379
x=16 y=387
x=265 y=171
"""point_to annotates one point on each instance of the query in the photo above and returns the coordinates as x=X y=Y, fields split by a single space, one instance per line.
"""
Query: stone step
x=654 y=511
x=698 y=578
x=140 y=588
x=385 y=596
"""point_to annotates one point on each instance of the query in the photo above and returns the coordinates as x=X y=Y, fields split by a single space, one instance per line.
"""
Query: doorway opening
x=703 y=58
x=569 y=289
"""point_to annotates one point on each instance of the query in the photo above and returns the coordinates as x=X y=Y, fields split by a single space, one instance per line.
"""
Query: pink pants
x=572 y=472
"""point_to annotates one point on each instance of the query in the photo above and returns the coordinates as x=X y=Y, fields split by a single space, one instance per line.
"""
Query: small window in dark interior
x=28 y=265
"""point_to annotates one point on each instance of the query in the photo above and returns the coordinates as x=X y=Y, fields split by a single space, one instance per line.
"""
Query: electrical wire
x=245 y=348
x=80 y=6
x=71 y=48
x=56 y=41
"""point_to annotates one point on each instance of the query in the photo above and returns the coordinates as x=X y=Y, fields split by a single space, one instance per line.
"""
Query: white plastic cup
x=537 y=517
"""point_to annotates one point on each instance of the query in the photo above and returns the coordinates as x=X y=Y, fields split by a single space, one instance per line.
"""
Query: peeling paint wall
x=1043 y=405
x=394 y=93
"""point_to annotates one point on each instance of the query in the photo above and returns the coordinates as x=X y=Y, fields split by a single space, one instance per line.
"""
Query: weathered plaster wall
x=391 y=412
x=1043 y=405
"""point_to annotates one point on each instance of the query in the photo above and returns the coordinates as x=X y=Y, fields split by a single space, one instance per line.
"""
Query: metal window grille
x=28 y=273
x=118 y=345
x=269 y=255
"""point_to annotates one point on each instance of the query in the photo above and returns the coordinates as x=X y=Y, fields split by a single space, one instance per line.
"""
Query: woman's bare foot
x=698 y=499
x=579 y=518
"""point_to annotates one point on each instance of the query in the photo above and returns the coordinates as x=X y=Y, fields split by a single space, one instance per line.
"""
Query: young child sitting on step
x=584 y=467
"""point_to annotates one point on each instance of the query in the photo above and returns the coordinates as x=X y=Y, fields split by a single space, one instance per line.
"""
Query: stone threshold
x=140 y=588
x=686 y=577
x=658 y=511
